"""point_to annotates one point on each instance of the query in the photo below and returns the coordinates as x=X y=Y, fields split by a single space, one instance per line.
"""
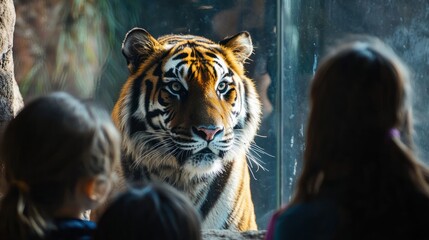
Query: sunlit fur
x=177 y=85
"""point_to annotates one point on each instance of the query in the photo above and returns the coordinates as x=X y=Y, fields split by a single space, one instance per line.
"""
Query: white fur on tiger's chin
x=203 y=168
x=213 y=167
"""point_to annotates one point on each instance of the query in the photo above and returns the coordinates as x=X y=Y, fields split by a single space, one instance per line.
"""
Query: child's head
x=58 y=154
x=358 y=94
x=360 y=85
x=156 y=211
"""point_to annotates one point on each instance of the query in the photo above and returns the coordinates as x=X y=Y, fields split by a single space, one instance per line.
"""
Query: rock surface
x=10 y=97
x=232 y=235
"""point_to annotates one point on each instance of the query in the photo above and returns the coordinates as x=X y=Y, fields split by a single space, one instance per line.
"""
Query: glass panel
x=76 y=46
x=292 y=91
x=215 y=20
x=309 y=27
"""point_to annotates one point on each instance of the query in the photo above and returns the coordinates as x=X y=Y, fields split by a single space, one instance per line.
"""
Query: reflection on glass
x=315 y=26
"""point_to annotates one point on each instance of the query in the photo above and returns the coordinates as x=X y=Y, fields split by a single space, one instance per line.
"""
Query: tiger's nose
x=207 y=133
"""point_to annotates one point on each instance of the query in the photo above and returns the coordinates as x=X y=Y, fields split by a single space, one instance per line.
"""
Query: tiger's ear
x=240 y=44
x=137 y=46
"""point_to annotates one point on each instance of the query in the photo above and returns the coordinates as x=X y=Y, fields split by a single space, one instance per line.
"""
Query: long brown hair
x=359 y=99
x=53 y=142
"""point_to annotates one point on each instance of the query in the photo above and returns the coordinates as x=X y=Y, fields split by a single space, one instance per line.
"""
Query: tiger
x=188 y=115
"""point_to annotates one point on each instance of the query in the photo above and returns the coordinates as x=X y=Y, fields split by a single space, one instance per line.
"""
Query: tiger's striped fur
x=188 y=115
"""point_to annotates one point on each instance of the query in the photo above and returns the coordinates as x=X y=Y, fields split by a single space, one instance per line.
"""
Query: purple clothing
x=271 y=225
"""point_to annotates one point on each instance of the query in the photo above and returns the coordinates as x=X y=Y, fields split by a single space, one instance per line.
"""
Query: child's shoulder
x=306 y=211
x=73 y=229
x=320 y=215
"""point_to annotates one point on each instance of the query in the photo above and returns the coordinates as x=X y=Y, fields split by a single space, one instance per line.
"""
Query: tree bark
x=10 y=97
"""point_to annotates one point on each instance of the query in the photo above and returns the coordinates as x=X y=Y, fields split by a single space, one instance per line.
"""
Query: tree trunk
x=10 y=97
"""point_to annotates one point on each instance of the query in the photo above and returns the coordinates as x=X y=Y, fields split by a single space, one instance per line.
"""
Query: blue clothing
x=317 y=219
x=72 y=229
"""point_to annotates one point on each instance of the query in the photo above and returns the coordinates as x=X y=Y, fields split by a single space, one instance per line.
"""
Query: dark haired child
x=361 y=178
x=156 y=211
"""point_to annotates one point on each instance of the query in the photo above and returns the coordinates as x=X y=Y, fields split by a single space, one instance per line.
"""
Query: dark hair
x=52 y=143
x=359 y=96
x=156 y=211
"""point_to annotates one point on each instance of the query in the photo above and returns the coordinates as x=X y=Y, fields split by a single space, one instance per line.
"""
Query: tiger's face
x=187 y=106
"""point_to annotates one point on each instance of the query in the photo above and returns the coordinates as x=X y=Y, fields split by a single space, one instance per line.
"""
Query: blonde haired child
x=59 y=154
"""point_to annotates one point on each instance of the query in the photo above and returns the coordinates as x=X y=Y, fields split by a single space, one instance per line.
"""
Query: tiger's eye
x=175 y=86
x=221 y=87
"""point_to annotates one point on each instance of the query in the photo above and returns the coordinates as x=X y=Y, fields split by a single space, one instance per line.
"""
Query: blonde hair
x=52 y=143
